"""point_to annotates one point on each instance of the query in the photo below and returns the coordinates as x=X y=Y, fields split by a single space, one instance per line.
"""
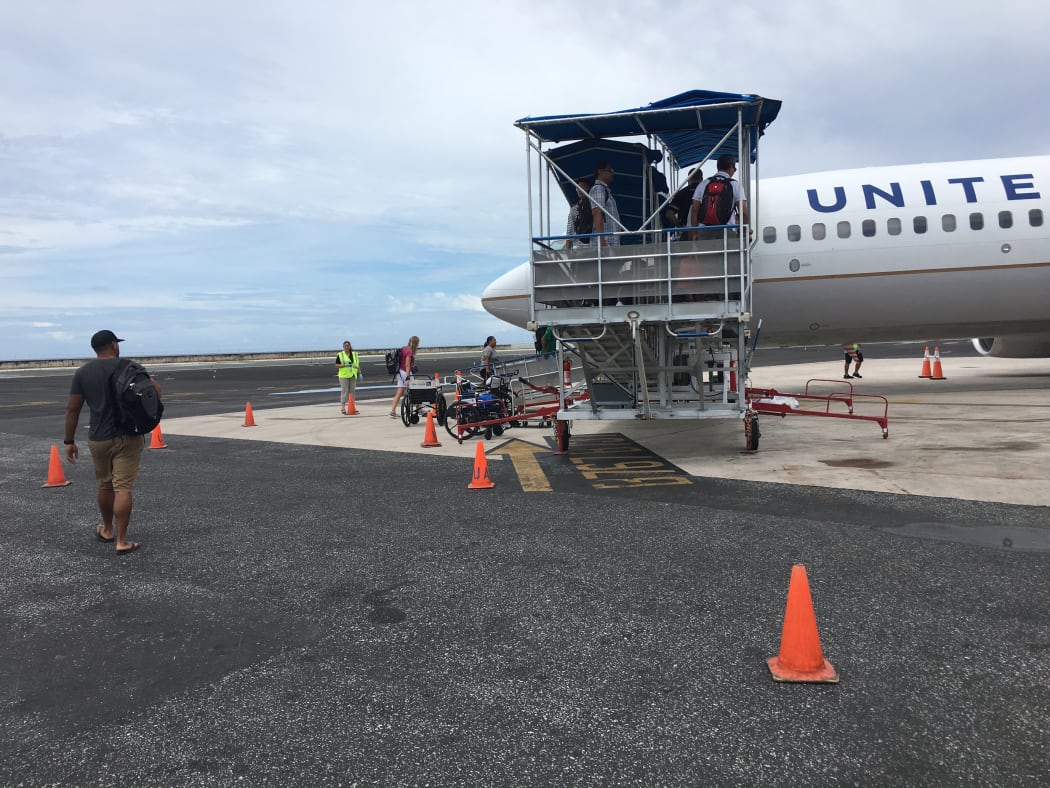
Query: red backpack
x=716 y=206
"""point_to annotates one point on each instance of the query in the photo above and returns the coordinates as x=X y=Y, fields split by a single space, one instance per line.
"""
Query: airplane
x=912 y=252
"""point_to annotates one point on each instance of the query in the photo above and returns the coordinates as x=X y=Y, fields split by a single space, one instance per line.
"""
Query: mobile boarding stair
x=660 y=319
x=659 y=329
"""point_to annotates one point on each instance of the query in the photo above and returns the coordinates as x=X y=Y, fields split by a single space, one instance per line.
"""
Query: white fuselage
x=958 y=249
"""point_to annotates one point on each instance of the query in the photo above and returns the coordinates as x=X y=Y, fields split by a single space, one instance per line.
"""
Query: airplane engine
x=1015 y=346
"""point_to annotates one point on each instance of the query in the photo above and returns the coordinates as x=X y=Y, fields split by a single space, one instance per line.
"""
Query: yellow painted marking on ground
x=530 y=474
x=612 y=462
x=31 y=404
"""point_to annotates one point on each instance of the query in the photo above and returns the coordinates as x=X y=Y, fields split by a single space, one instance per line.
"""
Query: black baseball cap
x=103 y=338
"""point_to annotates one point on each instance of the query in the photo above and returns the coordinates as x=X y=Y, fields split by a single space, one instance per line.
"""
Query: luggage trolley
x=507 y=401
x=422 y=396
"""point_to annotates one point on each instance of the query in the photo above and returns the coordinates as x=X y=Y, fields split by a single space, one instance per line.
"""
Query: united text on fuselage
x=1019 y=186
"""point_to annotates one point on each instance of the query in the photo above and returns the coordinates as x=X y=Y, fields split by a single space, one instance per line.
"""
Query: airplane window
x=794 y=232
x=948 y=223
x=820 y=232
x=843 y=229
x=769 y=235
x=867 y=227
x=919 y=224
x=1006 y=219
x=1035 y=217
x=893 y=226
x=976 y=221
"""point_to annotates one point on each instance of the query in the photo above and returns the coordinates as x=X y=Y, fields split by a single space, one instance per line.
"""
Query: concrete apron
x=975 y=435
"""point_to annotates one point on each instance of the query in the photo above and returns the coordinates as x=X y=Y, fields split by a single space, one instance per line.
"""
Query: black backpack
x=393 y=361
x=716 y=206
x=682 y=202
x=584 y=222
x=137 y=408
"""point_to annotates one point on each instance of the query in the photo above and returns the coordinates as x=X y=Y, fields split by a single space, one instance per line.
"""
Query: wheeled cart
x=422 y=396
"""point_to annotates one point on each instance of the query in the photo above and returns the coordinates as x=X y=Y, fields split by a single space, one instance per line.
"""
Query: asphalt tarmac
x=320 y=615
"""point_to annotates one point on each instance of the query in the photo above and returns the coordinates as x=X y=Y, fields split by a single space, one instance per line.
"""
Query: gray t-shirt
x=602 y=195
x=91 y=381
x=488 y=356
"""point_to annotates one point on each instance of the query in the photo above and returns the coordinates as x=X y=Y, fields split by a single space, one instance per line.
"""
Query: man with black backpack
x=717 y=201
x=117 y=433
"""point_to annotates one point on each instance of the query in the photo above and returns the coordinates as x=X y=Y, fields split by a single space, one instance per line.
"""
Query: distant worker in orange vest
x=853 y=354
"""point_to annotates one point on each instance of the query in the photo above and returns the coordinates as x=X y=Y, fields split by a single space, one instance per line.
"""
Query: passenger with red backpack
x=717 y=201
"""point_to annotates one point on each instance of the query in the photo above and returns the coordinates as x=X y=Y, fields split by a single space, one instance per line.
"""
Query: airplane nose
x=507 y=297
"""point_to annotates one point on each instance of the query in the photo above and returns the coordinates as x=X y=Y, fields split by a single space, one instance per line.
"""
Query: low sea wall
x=262 y=356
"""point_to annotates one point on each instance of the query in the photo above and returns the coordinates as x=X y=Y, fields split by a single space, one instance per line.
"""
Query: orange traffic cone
x=249 y=417
x=938 y=373
x=55 y=476
x=800 y=658
x=430 y=438
x=351 y=406
x=482 y=480
x=156 y=440
x=926 y=364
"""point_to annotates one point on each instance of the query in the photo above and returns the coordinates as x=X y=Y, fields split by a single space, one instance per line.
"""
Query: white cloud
x=437 y=302
x=350 y=164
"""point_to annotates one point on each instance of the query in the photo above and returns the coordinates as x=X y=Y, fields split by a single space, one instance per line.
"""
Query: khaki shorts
x=117 y=461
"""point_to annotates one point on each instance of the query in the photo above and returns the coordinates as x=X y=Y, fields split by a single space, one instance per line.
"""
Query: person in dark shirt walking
x=116 y=456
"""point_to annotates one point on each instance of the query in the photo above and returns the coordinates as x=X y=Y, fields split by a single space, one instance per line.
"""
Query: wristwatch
x=69 y=443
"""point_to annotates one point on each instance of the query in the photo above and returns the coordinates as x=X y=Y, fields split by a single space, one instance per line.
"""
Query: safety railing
x=671 y=278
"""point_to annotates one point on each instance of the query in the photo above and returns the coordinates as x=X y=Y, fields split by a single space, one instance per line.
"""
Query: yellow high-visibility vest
x=350 y=364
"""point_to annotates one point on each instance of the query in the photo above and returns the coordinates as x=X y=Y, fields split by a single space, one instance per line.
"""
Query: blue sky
x=243 y=176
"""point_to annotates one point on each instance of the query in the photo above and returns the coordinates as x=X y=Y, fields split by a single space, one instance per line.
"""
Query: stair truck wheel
x=752 y=433
x=562 y=431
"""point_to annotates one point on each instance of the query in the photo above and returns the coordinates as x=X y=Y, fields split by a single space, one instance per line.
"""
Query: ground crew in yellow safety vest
x=349 y=371
x=853 y=354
